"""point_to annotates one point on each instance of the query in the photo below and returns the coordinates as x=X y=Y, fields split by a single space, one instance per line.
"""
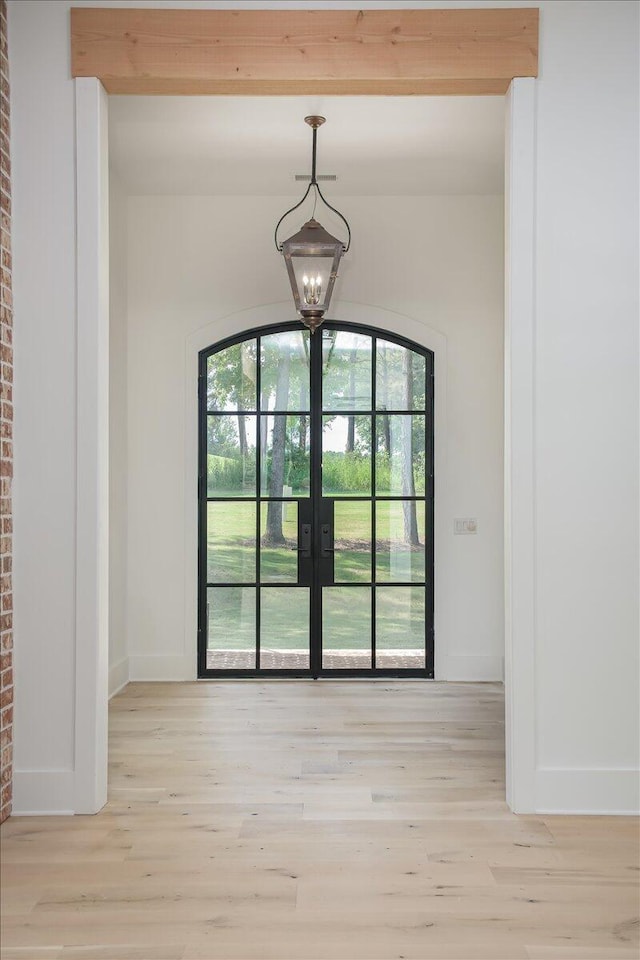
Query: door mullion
x=316 y=498
x=374 y=447
x=258 y=500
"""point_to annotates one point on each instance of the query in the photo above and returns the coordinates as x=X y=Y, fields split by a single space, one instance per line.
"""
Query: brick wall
x=6 y=436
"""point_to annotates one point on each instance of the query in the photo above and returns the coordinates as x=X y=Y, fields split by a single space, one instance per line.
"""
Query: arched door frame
x=84 y=789
x=317 y=500
x=375 y=319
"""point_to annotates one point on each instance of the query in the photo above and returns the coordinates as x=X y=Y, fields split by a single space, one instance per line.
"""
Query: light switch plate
x=465 y=525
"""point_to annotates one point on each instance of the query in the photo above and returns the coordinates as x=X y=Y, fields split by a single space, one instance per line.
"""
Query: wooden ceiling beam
x=275 y=52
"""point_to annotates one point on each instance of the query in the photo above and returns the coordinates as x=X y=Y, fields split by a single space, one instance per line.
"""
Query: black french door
x=315 y=504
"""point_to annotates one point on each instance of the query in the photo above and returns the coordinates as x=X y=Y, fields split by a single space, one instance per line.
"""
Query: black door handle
x=304 y=541
x=326 y=546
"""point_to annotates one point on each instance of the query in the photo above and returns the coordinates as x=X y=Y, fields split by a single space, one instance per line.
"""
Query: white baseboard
x=469 y=668
x=43 y=793
x=162 y=668
x=118 y=676
x=601 y=792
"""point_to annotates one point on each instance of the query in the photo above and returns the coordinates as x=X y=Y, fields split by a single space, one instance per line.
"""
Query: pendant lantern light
x=312 y=255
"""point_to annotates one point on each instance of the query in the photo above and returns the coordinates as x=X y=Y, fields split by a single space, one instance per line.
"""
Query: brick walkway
x=297 y=660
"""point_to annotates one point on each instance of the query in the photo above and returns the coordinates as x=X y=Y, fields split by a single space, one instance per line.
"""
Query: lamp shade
x=312 y=256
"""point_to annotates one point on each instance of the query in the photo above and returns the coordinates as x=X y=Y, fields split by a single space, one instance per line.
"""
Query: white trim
x=471 y=669
x=43 y=793
x=519 y=487
x=594 y=791
x=92 y=491
x=162 y=667
x=118 y=676
x=260 y=316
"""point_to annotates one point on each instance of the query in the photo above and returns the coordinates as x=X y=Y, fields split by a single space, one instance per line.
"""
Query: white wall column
x=92 y=529
x=519 y=426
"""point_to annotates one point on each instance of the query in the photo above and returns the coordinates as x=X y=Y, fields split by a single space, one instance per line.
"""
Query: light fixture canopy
x=312 y=255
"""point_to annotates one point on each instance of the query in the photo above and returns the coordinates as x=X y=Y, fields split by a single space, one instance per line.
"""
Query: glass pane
x=279 y=541
x=285 y=456
x=231 y=378
x=400 y=378
x=346 y=370
x=346 y=628
x=400 y=543
x=312 y=274
x=284 y=628
x=352 y=540
x=400 y=637
x=231 y=456
x=284 y=377
x=231 y=542
x=400 y=458
x=231 y=639
x=346 y=456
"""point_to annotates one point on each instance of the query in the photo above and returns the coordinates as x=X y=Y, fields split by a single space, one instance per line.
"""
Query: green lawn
x=346 y=618
x=231 y=558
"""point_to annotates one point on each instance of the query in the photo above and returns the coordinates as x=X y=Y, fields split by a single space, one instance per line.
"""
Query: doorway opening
x=316 y=496
x=92 y=550
x=185 y=296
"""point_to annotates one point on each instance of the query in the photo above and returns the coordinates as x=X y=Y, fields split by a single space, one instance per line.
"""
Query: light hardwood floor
x=315 y=821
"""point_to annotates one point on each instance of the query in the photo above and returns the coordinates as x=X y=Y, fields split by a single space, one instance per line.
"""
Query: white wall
x=44 y=492
x=587 y=405
x=586 y=410
x=118 y=651
x=185 y=271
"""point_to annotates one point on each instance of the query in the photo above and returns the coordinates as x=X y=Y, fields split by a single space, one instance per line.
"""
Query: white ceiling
x=255 y=145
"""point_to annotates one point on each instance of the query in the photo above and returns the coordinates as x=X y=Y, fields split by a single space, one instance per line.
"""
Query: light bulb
x=312 y=290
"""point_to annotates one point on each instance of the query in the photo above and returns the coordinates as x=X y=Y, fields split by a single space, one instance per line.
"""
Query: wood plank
x=582 y=953
x=285 y=52
x=295 y=822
